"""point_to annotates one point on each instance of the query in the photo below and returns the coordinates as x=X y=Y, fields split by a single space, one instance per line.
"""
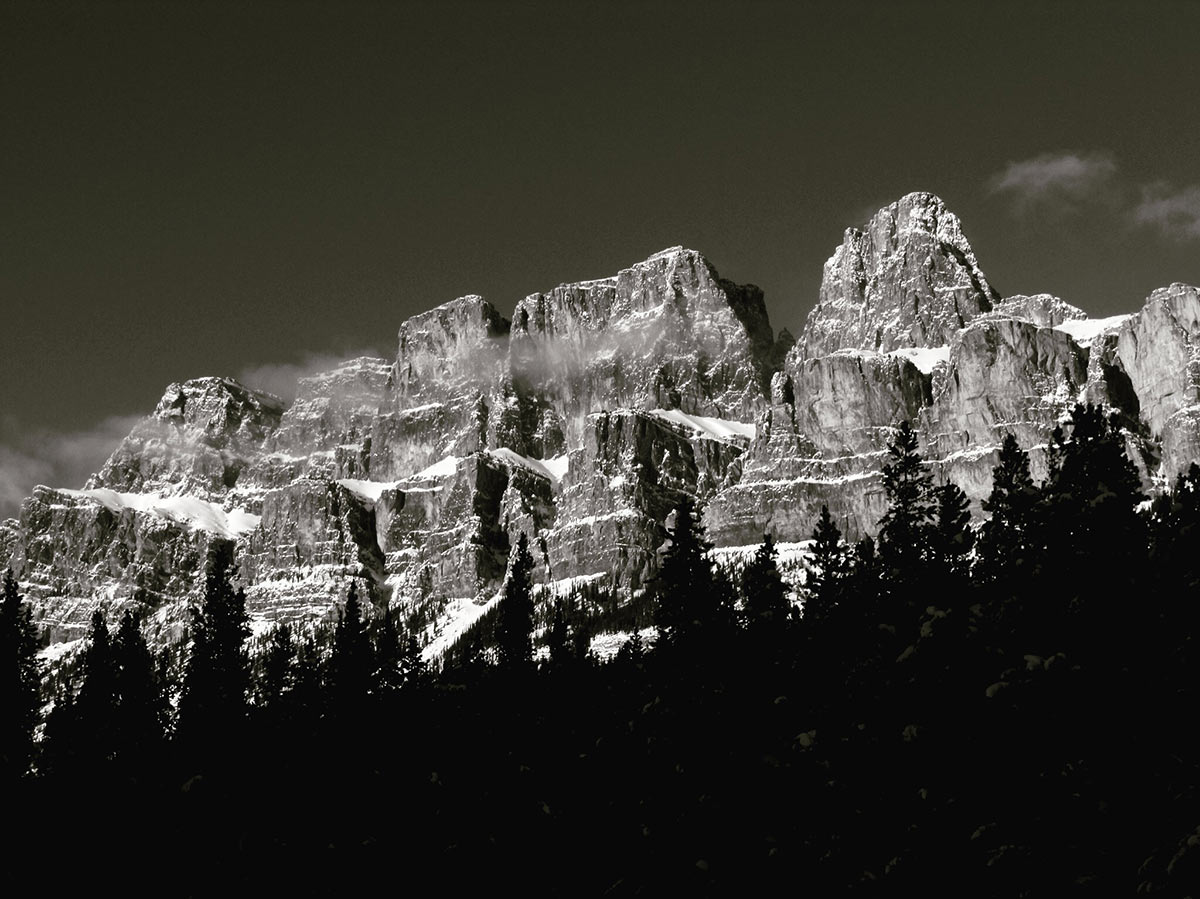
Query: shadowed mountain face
x=585 y=420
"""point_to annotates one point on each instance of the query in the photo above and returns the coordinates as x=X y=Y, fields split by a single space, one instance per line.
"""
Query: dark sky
x=198 y=188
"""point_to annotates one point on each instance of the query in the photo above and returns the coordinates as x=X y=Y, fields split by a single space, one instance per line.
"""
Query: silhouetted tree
x=140 y=704
x=903 y=530
x=827 y=568
x=19 y=681
x=515 y=624
x=1006 y=537
x=351 y=663
x=213 y=704
x=765 y=595
x=951 y=538
x=96 y=704
x=687 y=594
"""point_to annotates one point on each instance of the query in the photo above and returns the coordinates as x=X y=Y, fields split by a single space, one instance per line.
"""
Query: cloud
x=280 y=378
x=32 y=456
x=1174 y=212
x=1056 y=181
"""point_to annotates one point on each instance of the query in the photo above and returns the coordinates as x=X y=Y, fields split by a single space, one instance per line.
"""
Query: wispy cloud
x=1174 y=212
x=280 y=378
x=1056 y=181
x=32 y=456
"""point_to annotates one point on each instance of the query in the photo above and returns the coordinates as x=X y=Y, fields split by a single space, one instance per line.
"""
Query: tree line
x=998 y=709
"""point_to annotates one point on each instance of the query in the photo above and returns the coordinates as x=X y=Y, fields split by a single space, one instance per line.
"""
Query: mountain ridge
x=585 y=418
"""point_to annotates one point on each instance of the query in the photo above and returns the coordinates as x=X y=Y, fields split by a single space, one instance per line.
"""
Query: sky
x=259 y=189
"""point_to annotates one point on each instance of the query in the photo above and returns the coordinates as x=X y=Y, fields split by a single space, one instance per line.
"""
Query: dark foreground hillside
x=1004 y=710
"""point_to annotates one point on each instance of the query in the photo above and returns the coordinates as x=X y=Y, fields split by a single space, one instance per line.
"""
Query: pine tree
x=558 y=637
x=687 y=593
x=952 y=538
x=415 y=670
x=278 y=668
x=765 y=595
x=827 y=569
x=904 y=528
x=351 y=664
x=515 y=626
x=216 y=682
x=388 y=654
x=140 y=704
x=20 y=682
x=96 y=705
x=1005 y=538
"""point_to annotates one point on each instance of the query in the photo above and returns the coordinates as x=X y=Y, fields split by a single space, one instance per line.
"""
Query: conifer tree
x=216 y=682
x=351 y=664
x=20 y=681
x=952 y=538
x=687 y=593
x=765 y=595
x=557 y=638
x=94 y=739
x=140 y=705
x=277 y=678
x=388 y=654
x=515 y=625
x=413 y=667
x=1006 y=537
x=826 y=570
x=903 y=530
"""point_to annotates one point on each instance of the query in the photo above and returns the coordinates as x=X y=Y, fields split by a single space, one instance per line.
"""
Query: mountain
x=584 y=419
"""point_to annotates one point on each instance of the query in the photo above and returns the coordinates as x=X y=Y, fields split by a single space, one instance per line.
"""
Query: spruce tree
x=1006 y=536
x=94 y=736
x=515 y=625
x=904 y=528
x=687 y=594
x=351 y=663
x=140 y=704
x=387 y=678
x=766 y=597
x=19 y=682
x=557 y=638
x=277 y=664
x=213 y=705
x=826 y=570
x=952 y=539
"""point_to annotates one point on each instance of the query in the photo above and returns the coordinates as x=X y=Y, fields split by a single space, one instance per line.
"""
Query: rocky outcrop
x=666 y=333
x=910 y=279
x=201 y=436
x=1159 y=349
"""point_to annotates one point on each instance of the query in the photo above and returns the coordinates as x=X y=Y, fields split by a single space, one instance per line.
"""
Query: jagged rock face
x=1159 y=349
x=1004 y=375
x=457 y=349
x=335 y=408
x=850 y=401
x=909 y=280
x=1041 y=309
x=667 y=333
x=200 y=437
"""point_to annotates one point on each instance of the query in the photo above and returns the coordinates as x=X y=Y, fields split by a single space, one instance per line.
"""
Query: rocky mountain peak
x=455 y=348
x=909 y=279
x=197 y=440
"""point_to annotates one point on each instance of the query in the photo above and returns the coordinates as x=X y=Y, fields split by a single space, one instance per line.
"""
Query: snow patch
x=368 y=490
x=926 y=358
x=1084 y=330
x=442 y=469
x=458 y=615
x=537 y=466
x=716 y=428
x=186 y=510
